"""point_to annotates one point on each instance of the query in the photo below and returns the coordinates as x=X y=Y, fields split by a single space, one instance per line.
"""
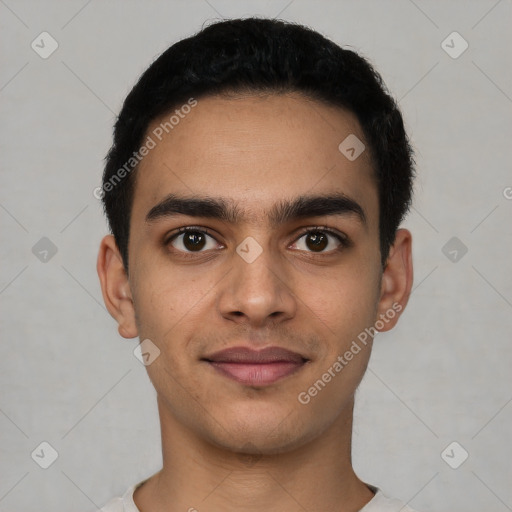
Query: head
x=287 y=161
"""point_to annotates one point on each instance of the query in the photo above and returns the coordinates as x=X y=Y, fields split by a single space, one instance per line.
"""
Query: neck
x=197 y=475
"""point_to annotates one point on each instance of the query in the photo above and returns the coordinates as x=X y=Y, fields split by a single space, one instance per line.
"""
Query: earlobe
x=396 y=281
x=115 y=287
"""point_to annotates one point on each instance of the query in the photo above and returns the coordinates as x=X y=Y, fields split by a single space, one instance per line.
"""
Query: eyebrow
x=284 y=211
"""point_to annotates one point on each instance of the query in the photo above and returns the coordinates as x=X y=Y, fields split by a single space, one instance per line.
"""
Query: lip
x=256 y=367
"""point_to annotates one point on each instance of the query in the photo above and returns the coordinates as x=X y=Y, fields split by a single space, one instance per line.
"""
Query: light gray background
x=442 y=375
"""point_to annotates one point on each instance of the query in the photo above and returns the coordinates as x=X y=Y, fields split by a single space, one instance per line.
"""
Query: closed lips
x=256 y=368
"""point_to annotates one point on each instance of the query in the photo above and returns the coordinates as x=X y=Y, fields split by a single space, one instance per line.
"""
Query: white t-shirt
x=379 y=503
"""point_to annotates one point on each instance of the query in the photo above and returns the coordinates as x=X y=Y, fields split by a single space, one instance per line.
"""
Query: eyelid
x=343 y=240
x=185 y=254
x=186 y=229
x=341 y=237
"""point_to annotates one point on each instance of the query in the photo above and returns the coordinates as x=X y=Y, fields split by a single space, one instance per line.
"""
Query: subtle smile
x=256 y=367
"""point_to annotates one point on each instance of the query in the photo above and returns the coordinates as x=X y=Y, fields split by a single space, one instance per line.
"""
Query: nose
x=257 y=293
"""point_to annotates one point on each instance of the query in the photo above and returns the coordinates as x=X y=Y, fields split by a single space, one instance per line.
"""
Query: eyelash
x=341 y=238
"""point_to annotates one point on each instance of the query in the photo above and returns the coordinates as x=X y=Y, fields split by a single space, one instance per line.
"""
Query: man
x=254 y=190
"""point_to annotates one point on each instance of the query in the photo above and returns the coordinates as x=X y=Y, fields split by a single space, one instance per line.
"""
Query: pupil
x=194 y=241
x=318 y=241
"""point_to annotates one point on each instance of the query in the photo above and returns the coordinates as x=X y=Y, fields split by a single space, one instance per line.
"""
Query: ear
x=116 y=287
x=396 y=281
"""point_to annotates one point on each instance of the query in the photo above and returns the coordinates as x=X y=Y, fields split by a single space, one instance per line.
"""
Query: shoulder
x=124 y=503
x=382 y=503
x=114 y=505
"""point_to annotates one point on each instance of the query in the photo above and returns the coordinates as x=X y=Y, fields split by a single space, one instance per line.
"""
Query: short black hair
x=268 y=56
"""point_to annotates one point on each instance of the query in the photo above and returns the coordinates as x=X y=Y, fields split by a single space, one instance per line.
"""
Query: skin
x=227 y=445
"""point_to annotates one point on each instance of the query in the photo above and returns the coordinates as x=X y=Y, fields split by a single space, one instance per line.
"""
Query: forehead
x=255 y=150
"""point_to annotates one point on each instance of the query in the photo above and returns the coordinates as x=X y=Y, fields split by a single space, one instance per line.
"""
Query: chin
x=259 y=444
x=262 y=432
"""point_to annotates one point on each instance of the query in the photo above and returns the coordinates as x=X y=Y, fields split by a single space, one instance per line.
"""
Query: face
x=254 y=267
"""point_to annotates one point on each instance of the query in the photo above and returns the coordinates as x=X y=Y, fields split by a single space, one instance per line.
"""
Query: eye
x=319 y=240
x=192 y=240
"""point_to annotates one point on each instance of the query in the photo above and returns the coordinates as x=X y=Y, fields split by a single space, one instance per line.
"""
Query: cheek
x=165 y=300
x=167 y=309
x=342 y=309
x=342 y=306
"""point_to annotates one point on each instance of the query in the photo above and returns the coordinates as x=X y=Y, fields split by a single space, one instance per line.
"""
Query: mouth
x=256 y=368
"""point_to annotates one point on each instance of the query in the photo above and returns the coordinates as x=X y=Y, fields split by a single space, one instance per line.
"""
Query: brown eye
x=319 y=241
x=192 y=240
x=316 y=241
